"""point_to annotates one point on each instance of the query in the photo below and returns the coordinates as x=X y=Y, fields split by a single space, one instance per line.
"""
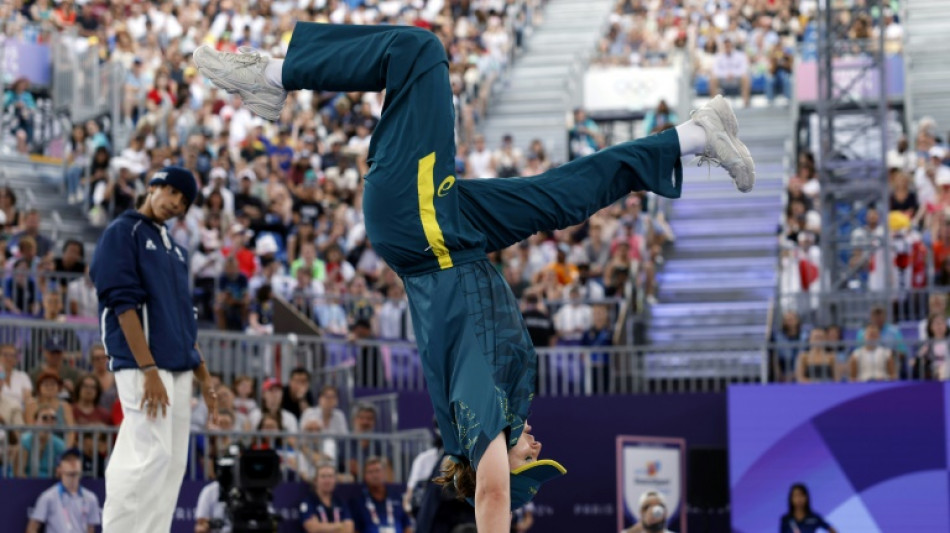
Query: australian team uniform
x=434 y=228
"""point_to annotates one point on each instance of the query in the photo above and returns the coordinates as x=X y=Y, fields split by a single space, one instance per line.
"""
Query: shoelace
x=703 y=158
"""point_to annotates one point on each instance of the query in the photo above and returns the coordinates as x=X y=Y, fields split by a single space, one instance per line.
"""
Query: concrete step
x=754 y=332
x=715 y=294
x=546 y=108
x=733 y=228
x=659 y=323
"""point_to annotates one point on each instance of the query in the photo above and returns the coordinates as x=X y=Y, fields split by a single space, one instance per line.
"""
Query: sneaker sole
x=263 y=110
x=745 y=164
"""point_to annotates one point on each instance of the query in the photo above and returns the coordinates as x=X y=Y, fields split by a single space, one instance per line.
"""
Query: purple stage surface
x=874 y=456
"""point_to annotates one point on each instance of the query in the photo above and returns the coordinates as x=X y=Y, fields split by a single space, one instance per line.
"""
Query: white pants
x=148 y=463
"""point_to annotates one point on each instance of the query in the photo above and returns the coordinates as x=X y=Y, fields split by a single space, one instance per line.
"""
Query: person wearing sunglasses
x=40 y=448
x=66 y=506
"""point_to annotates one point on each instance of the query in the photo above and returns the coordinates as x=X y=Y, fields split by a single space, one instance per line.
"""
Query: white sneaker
x=242 y=73
x=723 y=146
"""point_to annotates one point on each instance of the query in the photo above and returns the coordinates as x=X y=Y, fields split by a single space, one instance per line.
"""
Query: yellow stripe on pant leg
x=430 y=225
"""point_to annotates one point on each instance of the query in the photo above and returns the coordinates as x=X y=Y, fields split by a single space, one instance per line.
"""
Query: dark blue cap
x=179 y=178
x=71 y=452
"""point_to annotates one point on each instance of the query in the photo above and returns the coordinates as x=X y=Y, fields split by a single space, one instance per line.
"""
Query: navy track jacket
x=138 y=266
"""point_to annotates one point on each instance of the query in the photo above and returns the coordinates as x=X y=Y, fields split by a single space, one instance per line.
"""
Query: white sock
x=692 y=138
x=273 y=72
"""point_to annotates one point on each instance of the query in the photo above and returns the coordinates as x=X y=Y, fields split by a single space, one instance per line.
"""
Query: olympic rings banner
x=651 y=464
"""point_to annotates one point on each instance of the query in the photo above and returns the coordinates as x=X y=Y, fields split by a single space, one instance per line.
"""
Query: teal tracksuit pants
x=434 y=228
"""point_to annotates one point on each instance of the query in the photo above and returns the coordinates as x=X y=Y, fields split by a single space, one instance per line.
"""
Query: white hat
x=266 y=244
x=218 y=172
x=938 y=151
x=894 y=160
x=943 y=176
x=813 y=221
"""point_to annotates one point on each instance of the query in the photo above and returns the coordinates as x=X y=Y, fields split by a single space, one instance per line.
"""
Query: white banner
x=650 y=464
x=630 y=88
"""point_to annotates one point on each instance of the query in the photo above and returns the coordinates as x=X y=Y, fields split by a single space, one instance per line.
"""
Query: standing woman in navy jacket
x=148 y=327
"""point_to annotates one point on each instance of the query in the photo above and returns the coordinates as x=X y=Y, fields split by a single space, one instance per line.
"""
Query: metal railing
x=854 y=307
x=299 y=452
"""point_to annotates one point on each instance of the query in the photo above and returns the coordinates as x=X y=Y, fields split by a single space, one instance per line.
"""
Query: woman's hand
x=154 y=394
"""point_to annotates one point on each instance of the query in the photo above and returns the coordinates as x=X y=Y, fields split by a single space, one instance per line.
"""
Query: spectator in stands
x=53 y=305
x=10 y=216
x=66 y=507
x=584 y=137
x=936 y=304
x=11 y=414
x=77 y=162
x=210 y=448
x=787 y=343
x=31 y=228
x=329 y=312
x=86 y=408
x=481 y=160
x=40 y=448
x=272 y=400
x=233 y=298
x=393 y=320
x=72 y=261
x=100 y=370
x=538 y=321
x=20 y=294
x=307 y=258
x=840 y=351
x=23 y=106
x=872 y=361
x=573 y=319
x=730 y=72
x=312 y=449
x=779 y=79
x=817 y=364
x=331 y=419
x=15 y=384
x=600 y=333
x=659 y=119
x=375 y=510
x=322 y=507
x=509 y=160
x=48 y=389
x=297 y=396
x=54 y=362
x=889 y=334
x=364 y=422
x=260 y=318
x=931 y=358
x=244 y=402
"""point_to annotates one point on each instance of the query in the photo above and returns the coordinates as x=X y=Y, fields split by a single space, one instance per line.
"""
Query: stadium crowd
x=917 y=245
x=739 y=48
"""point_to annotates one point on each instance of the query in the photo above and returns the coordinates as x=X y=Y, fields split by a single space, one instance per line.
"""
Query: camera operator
x=653 y=514
x=211 y=508
x=322 y=511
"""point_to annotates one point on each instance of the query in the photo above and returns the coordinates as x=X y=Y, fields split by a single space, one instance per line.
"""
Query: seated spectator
x=86 y=408
x=207 y=265
x=659 y=119
x=481 y=161
x=331 y=419
x=48 y=388
x=53 y=310
x=779 y=79
x=329 y=312
x=233 y=298
x=312 y=449
x=260 y=319
x=538 y=321
x=40 y=448
x=376 y=510
x=355 y=451
x=584 y=137
x=21 y=296
x=573 y=319
x=322 y=507
x=308 y=259
x=82 y=297
x=272 y=401
x=213 y=447
x=66 y=507
x=244 y=402
x=19 y=99
x=730 y=72
x=600 y=333
x=872 y=361
x=31 y=228
x=931 y=359
x=359 y=305
x=837 y=347
x=15 y=383
x=818 y=364
x=890 y=335
x=566 y=272
x=590 y=289
x=936 y=304
x=509 y=160
x=297 y=396
x=10 y=219
x=11 y=414
x=788 y=342
x=72 y=261
x=100 y=370
x=394 y=321
x=54 y=362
